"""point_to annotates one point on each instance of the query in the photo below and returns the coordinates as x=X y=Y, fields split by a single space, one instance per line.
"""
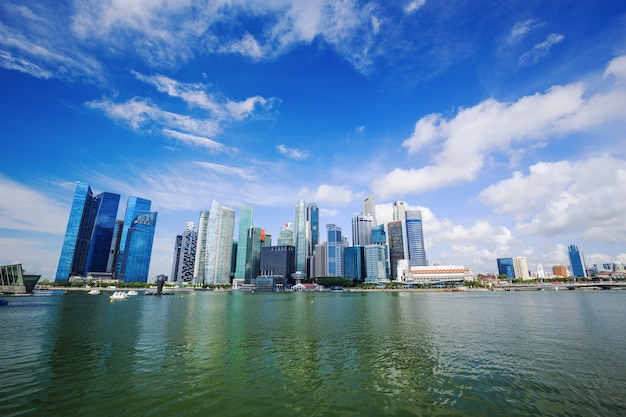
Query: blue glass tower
x=334 y=251
x=135 y=260
x=134 y=207
x=246 y=215
x=505 y=267
x=313 y=220
x=415 y=238
x=100 y=245
x=354 y=268
x=78 y=233
x=577 y=262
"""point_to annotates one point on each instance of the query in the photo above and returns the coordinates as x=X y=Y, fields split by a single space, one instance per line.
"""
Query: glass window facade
x=100 y=245
x=138 y=248
x=506 y=267
x=415 y=238
x=246 y=216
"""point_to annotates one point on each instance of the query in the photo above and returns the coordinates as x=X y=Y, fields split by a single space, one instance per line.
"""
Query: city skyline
x=491 y=119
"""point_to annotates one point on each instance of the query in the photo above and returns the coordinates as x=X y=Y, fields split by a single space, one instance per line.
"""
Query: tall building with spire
x=369 y=207
x=300 y=235
x=246 y=215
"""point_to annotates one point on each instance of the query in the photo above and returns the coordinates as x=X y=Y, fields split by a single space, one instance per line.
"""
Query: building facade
x=396 y=247
x=577 y=262
x=300 y=235
x=369 y=207
x=362 y=229
x=375 y=263
x=520 y=267
x=334 y=251
x=505 y=267
x=135 y=260
x=278 y=261
x=354 y=263
x=102 y=235
x=246 y=218
x=184 y=259
x=414 y=243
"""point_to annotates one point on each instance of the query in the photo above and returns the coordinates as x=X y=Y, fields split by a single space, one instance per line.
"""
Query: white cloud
x=196 y=140
x=540 y=50
x=459 y=146
x=583 y=197
x=333 y=195
x=413 y=6
x=292 y=153
x=521 y=29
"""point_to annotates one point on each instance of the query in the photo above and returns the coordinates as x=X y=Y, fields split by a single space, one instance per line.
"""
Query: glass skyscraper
x=185 y=255
x=415 y=238
x=246 y=215
x=354 y=263
x=215 y=246
x=102 y=236
x=362 y=229
x=134 y=207
x=334 y=251
x=396 y=247
x=299 y=225
x=253 y=255
x=577 y=262
x=369 y=207
x=313 y=226
x=135 y=264
x=506 y=267
x=78 y=233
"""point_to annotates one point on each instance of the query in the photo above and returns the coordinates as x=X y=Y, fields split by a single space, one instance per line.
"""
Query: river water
x=315 y=354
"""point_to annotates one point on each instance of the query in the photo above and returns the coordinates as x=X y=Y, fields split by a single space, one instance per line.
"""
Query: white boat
x=132 y=292
x=118 y=295
x=94 y=292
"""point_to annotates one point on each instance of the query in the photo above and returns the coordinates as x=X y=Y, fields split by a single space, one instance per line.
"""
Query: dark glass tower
x=415 y=238
x=313 y=221
x=100 y=245
x=334 y=251
x=506 y=267
x=396 y=246
x=134 y=207
x=73 y=259
x=354 y=259
x=579 y=269
x=135 y=260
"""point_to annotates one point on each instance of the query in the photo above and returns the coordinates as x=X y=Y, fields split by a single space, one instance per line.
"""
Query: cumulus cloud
x=540 y=50
x=582 y=197
x=292 y=153
x=333 y=195
x=459 y=145
x=413 y=6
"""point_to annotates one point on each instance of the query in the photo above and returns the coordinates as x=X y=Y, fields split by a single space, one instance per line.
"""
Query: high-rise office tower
x=354 y=263
x=134 y=207
x=362 y=229
x=78 y=233
x=114 y=251
x=300 y=237
x=334 y=251
x=399 y=208
x=369 y=207
x=396 y=247
x=102 y=235
x=577 y=262
x=185 y=255
x=313 y=226
x=278 y=261
x=255 y=239
x=285 y=237
x=135 y=260
x=246 y=215
x=520 y=268
x=199 y=271
x=319 y=261
x=415 y=238
x=506 y=267
x=218 y=247
x=375 y=263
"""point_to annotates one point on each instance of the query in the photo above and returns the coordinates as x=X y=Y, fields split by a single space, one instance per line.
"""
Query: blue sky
x=504 y=122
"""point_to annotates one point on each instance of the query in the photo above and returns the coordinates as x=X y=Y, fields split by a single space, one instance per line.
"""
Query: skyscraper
x=399 y=208
x=102 y=235
x=520 y=267
x=135 y=260
x=199 y=270
x=217 y=248
x=285 y=237
x=415 y=238
x=375 y=263
x=319 y=260
x=334 y=251
x=577 y=262
x=278 y=261
x=313 y=226
x=396 y=246
x=299 y=224
x=362 y=229
x=369 y=207
x=246 y=215
x=134 y=207
x=354 y=263
x=78 y=233
x=185 y=255
x=255 y=238
x=506 y=267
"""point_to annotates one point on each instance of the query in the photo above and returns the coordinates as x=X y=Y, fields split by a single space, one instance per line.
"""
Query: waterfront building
x=399 y=208
x=334 y=251
x=559 y=271
x=201 y=248
x=80 y=224
x=313 y=226
x=115 y=247
x=354 y=263
x=505 y=267
x=577 y=262
x=135 y=259
x=396 y=247
x=14 y=281
x=277 y=261
x=300 y=235
x=246 y=216
x=285 y=235
x=438 y=275
x=134 y=207
x=540 y=272
x=255 y=239
x=215 y=245
x=185 y=255
x=414 y=247
x=520 y=268
x=319 y=261
x=375 y=263
x=369 y=207
x=102 y=234
x=362 y=229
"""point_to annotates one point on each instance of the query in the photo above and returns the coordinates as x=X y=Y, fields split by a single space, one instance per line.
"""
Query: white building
x=520 y=268
x=437 y=274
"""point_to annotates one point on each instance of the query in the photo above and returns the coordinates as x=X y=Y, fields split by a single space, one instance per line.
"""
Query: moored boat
x=118 y=295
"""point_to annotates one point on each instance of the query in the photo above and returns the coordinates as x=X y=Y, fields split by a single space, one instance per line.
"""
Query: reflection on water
x=338 y=354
